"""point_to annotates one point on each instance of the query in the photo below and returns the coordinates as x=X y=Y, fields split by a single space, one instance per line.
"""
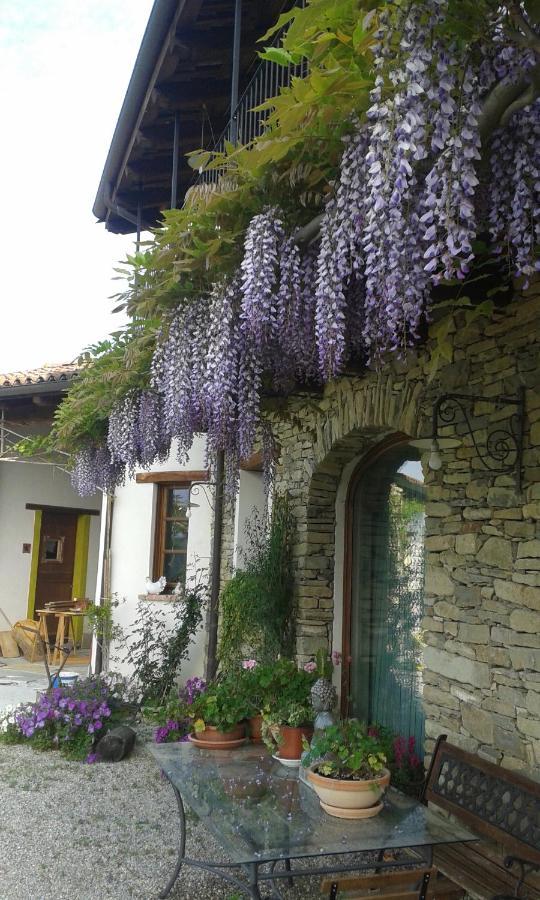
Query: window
x=171 y=534
x=387 y=593
x=52 y=549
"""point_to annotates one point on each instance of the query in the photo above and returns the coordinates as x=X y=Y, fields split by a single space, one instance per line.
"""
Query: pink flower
x=310 y=667
x=249 y=663
x=336 y=658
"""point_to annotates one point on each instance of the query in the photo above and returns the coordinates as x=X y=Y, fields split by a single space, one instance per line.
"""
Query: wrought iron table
x=263 y=814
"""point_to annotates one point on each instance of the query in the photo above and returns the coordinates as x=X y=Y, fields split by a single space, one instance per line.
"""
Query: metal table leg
x=182 y=848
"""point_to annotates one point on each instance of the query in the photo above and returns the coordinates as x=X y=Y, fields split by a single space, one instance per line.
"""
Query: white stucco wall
x=132 y=547
x=22 y=483
x=250 y=498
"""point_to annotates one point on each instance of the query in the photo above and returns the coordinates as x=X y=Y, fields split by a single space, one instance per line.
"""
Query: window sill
x=158 y=598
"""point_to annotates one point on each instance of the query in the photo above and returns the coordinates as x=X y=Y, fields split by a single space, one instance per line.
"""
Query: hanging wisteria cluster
x=404 y=215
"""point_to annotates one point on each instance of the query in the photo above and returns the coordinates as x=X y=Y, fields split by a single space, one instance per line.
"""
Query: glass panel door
x=387 y=593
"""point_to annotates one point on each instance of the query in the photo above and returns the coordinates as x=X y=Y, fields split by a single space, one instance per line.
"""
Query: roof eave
x=159 y=23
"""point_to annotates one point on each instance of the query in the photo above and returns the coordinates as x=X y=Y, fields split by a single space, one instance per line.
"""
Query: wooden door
x=56 y=557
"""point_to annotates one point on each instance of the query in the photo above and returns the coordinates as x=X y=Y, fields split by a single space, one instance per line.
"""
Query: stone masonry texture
x=482 y=600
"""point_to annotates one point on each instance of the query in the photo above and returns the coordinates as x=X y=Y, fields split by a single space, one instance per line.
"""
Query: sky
x=64 y=69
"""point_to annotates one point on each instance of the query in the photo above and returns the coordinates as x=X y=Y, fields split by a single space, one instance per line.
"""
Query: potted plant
x=285 y=729
x=251 y=684
x=218 y=715
x=347 y=769
x=288 y=713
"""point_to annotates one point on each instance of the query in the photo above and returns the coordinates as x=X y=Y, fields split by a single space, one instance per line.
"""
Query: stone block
x=478 y=723
x=532 y=703
x=502 y=497
x=528 y=564
x=438 y=510
x=440 y=698
x=532 y=510
x=520 y=594
x=519 y=529
x=528 y=726
x=529 y=549
x=476 y=490
x=534 y=435
x=307 y=603
x=449 y=611
x=439 y=542
x=495 y=656
x=525 y=620
x=466 y=671
x=515 y=513
x=496 y=552
x=438 y=582
x=507 y=637
x=466 y=544
x=467 y=596
x=508 y=741
x=460 y=649
x=308 y=646
x=476 y=513
x=473 y=634
x=525 y=658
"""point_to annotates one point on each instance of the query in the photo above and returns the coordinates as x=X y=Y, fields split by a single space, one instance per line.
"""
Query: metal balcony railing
x=246 y=122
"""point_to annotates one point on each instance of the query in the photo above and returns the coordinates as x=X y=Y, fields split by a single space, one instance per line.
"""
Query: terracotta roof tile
x=49 y=372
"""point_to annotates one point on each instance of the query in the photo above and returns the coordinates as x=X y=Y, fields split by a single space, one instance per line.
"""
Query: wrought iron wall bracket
x=503 y=449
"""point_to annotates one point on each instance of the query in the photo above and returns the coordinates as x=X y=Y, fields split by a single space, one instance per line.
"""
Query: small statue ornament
x=323 y=701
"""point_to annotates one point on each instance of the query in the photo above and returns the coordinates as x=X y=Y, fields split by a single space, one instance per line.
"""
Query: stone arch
x=354 y=415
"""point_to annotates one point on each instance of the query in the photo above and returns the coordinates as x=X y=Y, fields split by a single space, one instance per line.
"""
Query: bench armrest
x=525 y=868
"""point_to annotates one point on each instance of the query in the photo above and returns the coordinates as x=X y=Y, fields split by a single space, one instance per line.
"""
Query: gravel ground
x=70 y=831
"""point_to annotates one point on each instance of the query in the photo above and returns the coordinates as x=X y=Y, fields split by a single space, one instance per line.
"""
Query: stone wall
x=482 y=615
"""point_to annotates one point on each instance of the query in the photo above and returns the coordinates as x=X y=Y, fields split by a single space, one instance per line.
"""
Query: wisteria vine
x=403 y=216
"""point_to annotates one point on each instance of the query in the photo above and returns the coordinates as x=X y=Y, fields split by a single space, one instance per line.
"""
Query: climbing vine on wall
x=256 y=603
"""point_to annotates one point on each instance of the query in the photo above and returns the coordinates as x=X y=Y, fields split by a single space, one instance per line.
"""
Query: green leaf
x=277 y=55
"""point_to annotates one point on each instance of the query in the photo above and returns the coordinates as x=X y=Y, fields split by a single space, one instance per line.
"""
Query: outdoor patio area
x=71 y=831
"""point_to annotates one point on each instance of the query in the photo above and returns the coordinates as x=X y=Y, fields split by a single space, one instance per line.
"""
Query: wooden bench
x=495 y=803
x=412 y=884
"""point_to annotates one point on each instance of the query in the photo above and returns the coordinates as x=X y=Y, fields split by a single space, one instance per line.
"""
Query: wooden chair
x=411 y=884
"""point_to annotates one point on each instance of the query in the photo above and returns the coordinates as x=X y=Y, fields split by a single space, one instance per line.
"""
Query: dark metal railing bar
x=244 y=124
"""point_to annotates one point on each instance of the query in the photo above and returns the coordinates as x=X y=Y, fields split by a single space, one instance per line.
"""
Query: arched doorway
x=384 y=591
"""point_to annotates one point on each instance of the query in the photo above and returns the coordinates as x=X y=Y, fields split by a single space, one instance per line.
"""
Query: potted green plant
x=218 y=715
x=288 y=713
x=286 y=727
x=251 y=684
x=347 y=769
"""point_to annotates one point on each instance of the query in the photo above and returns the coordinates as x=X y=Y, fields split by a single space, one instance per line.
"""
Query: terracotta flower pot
x=254 y=728
x=350 y=799
x=212 y=736
x=290 y=746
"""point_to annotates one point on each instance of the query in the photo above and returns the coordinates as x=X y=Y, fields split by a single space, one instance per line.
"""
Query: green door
x=387 y=594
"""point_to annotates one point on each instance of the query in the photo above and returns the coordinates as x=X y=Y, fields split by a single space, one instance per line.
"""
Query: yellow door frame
x=34 y=563
x=80 y=566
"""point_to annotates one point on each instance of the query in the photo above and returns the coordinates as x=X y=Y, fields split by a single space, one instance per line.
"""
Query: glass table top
x=259 y=810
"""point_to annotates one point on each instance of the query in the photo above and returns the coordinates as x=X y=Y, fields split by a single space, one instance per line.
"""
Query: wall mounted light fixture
x=194 y=491
x=502 y=451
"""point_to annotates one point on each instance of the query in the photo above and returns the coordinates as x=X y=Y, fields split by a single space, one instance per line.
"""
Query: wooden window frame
x=59 y=558
x=160 y=526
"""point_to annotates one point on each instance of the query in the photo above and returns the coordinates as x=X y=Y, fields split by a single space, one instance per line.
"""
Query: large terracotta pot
x=290 y=746
x=255 y=729
x=350 y=799
x=212 y=736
